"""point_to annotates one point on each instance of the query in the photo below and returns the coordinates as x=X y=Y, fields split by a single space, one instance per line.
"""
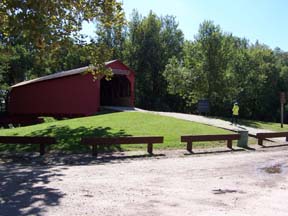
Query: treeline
x=172 y=73
x=224 y=68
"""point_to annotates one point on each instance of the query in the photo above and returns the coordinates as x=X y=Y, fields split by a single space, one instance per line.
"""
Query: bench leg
x=150 y=148
x=229 y=144
x=42 y=149
x=286 y=139
x=94 y=150
x=189 y=146
x=260 y=142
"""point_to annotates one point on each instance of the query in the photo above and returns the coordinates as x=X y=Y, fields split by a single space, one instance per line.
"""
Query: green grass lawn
x=264 y=125
x=273 y=126
x=69 y=132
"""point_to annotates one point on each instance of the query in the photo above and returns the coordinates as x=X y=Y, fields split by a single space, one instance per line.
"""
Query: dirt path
x=245 y=183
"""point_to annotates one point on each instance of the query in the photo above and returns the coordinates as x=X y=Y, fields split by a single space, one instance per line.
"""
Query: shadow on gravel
x=249 y=148
x=87 y=159
x=225 y=191
x=213 y=152
x=23 y=190
x=117 y=159
x=274 y=169
x=55 y=159
x=274 y=146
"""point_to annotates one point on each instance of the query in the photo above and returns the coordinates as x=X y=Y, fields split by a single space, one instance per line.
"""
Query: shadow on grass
x=247 y=123
x=104 y=111
x=68 y=139
x=23 y=190
x=250 y=123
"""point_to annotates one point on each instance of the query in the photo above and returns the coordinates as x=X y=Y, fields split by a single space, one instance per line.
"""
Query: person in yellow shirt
x=235 y=113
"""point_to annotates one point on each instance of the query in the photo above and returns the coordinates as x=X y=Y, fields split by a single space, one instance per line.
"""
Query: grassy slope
x=69 y=132
x=265 y=125
x=259 y=124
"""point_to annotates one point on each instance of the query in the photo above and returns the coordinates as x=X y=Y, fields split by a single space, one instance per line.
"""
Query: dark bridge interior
x=115 y=92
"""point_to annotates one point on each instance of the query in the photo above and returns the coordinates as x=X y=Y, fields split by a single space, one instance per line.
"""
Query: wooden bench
x=263 y=136
x=95 y=141
x=23 y=140
x=196 y=138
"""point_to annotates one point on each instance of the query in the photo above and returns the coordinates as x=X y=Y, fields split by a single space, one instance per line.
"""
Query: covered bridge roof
x=73 y=72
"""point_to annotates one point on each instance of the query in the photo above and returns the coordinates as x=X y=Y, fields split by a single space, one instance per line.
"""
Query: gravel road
x=236 y=183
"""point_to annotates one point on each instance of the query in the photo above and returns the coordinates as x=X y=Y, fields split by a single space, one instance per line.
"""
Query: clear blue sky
x=265 y=20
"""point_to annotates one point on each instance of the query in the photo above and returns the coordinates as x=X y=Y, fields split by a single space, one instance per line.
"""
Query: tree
x=204 y=68
x=262 y=83
x=44 y=27
x=214 y=50
x=151 y=42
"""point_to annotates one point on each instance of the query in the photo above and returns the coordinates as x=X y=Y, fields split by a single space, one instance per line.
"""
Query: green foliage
x=4 y=67
x=48 y=23
x=223 y=68
x=151 y=41
x=260 y=92
x=44 y=29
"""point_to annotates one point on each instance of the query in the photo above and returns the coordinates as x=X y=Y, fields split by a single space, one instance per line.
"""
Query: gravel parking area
x=235 y=183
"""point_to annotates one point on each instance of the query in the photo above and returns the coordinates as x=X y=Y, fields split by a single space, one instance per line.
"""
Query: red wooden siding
x=73 y=95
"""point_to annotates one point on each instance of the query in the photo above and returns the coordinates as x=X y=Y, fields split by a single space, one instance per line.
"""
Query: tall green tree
x=151 y=41
x=262 y=83
x=204 y=68
x=214 y=52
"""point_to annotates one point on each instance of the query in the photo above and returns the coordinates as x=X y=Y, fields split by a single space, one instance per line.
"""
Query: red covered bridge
x=72 y=93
